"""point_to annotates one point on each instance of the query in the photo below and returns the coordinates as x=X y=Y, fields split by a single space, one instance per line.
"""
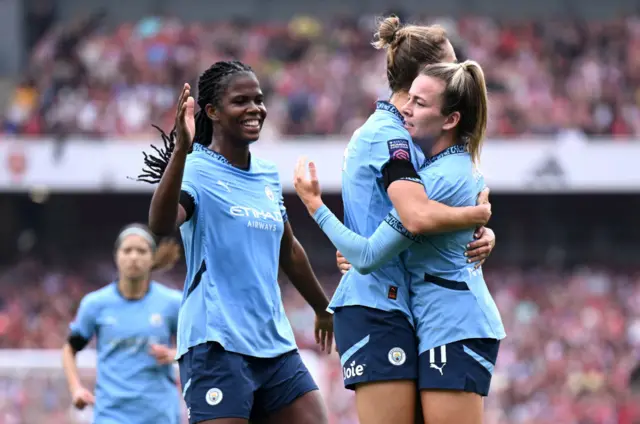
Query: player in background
x=457 y=322
x=134 y=320
x=372 y=316
x=237 y=353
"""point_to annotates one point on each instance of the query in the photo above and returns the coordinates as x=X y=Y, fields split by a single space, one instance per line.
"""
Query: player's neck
x=399 y=99
x=237 y=156
x=133 y=289
x=443 y=142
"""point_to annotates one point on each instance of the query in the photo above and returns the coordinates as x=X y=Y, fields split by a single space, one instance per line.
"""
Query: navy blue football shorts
x=221 y=384
x=374 y=345
x=465 y=365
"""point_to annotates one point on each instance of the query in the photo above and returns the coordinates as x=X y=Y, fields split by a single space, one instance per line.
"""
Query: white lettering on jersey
x=250 y=212
x=259 y=225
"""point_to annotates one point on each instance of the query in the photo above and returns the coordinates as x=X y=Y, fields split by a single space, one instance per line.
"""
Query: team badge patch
x=399 y=149
x=397 y=356
x=213 y=396
x=269 y=193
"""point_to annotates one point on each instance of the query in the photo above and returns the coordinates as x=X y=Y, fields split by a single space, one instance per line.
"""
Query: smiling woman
x=234 y=339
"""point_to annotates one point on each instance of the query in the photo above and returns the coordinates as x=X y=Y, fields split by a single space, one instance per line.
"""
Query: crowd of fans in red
x=321 y=79
x=572 y=340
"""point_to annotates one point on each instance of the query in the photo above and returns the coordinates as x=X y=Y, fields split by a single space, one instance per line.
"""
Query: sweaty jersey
x=381 y=139
x=449 y=298
x=131 y=387
x=232 y=248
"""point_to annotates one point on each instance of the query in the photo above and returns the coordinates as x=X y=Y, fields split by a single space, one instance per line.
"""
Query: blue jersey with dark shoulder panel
x=232 y=248
x=381 y=139
x=131 y=387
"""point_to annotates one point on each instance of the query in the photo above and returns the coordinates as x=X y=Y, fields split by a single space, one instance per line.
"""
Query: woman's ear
x=452 y=121
x=212 y=113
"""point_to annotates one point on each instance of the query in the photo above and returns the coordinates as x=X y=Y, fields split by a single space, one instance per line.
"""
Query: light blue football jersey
x=232 y=248
x=450 y=300
x=130 y=385
x=366 y=204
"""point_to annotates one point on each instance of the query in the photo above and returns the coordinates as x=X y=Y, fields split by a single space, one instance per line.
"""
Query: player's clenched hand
x=307 y=187
x=324 y=330
x=484 y=207
x=185 y=119
x=484 y=214
x=82 y=397
x=163 y=354
x=480 y=249
x=342 y=262
x=483 y=197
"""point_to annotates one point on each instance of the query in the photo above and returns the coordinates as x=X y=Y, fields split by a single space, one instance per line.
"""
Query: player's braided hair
x=211 y=87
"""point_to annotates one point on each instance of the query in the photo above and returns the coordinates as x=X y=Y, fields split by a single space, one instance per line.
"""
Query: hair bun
x=387 y=31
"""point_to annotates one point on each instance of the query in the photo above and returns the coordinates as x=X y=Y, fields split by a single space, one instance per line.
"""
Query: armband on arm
x=188 y=203
x=77 y=342
x=397 y=170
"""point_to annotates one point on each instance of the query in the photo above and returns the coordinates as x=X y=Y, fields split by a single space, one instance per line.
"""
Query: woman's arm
x=166 y=213
x=82 y=330
x=81 y=397
x=417 y=212
x=365 y=255
x=420 y=215
x=295 y=264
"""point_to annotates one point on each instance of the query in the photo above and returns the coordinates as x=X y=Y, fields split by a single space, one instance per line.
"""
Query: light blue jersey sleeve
x=365 y=255
x=84 y=324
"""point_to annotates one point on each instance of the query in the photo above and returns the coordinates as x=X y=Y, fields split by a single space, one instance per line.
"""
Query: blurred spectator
x=546 y=77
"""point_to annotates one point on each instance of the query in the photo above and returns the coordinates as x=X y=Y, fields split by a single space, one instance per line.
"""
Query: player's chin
x=135 y=273
x=250 y=135
x=410 y=129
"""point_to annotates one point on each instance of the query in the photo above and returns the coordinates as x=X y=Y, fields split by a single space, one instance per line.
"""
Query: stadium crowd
x=545 y=77
x=572 y=338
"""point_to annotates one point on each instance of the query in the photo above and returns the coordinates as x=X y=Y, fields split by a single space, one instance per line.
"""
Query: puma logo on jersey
x=225 y=185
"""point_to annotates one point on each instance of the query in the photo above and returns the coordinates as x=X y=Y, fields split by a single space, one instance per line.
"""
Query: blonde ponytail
x=476 y=138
